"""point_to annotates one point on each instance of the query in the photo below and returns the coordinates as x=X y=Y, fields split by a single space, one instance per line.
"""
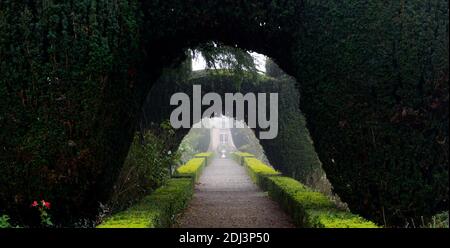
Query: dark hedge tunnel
x=376 y=106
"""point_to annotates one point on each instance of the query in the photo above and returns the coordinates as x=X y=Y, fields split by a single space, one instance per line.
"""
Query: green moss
x=191 y=169
x=155 y=210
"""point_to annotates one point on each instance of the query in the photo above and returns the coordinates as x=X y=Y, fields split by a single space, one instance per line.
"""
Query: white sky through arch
x=199 y=63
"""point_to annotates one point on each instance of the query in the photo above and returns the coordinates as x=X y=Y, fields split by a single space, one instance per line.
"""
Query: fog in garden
x=216 y=135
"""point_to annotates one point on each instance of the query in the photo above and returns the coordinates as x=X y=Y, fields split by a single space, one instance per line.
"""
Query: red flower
x=34 y=204
x=46 y=204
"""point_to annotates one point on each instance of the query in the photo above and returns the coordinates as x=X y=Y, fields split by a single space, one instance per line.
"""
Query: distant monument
x=221 y=139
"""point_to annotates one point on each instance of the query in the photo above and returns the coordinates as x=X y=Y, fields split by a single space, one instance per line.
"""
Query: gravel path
x=226 y=197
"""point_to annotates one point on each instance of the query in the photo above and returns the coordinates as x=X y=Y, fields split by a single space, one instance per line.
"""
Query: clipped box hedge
x=239 y=156
x=207 y=155
x=307 y=207
x=258 y=170
x=336 y=219
x=192 y=169
x=157 y=209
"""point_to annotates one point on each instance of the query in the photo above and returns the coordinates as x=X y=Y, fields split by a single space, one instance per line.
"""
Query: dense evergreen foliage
x=373 y=77
x=147 y=166
x=374 y=84
x=67 y=79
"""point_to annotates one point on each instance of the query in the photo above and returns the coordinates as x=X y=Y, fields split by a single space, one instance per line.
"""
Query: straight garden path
x=225 y=196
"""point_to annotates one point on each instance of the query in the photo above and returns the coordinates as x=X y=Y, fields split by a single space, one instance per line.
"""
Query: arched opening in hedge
x=291 y=151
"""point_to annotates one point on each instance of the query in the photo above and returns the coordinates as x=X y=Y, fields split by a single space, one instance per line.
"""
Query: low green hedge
x=239 y=156
x=207 y=155
x=159 y=208
x=156 y=210
x=258 y=170
x=307 y=207
x=191 y=169
x=336 y=219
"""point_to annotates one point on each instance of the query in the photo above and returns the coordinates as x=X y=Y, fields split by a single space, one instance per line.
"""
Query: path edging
x=160 y=207
x=308 y=208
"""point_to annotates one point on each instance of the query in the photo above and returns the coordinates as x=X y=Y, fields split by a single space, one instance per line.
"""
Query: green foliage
x=42 y=208
x=220 y=55
x=304 y=164
x=336 y=219
x=438 y=221
x=243 y=154
x=205 y=154
x=300 y=193
x=258 y=167
x=4 y=221
x=307 y=208
x=373 y=77
x=208 y=156
x=196 y=141
x=273 y=70
x=55 y=117
x=192 y=169
x=156 y=210
x=297 y=158
x=374 y=89
x=239 y=156
x=258 y=170
x=295 y=197
x=146 y=168
x=247 y=142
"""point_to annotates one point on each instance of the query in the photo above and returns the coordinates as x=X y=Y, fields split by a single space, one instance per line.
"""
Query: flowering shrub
x=43 y=206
